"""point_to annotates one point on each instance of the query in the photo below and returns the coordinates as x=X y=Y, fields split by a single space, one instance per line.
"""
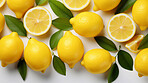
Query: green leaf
x=59 y=9
x=40 y=2
x=15 y=25
x=124 y=5
x=62 y=24
x=59 y=65
x=125 y=60
x=144 y=43
x=113 y=74
x=22 y=68
x=106 y=43
x=55 y=39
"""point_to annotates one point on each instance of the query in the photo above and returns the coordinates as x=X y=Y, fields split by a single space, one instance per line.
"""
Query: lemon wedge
x=133 y=44
x=37 y=21
x=2 y=2
x=121 y=27
x=76 y=5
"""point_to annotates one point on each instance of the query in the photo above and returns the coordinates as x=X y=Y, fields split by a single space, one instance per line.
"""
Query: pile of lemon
x=37 y=21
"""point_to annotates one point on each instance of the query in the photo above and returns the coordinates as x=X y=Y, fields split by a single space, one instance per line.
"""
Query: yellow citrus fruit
x=37 y=55
x=97 y=61
x=70 y=49
x=19 y=7
x=11 y=49
x=2 y=2
x=37 y=21
x=105 y=5
x=141 y=62
x=87 y=24
x=140 y=12
x=2 y=22
x=121 y=27
x=134 y=43
x=76 y=5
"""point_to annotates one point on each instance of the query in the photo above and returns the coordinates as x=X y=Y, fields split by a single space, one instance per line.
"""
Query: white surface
x=78 y=74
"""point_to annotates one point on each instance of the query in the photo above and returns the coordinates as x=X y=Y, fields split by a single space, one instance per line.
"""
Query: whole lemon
x=37 y=55
x=140 y=12
x=70 y=49
x=2 y=22
x=87 y=24
x=11 y=49
x=19 y=7
x=141 y=62
x=97 y=61
x=105 y=5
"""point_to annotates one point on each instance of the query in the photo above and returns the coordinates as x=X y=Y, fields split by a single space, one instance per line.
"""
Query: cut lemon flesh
x=2 y=2
x=76 y=5
x=121 y=27
x=37 y=21
x=133 y=44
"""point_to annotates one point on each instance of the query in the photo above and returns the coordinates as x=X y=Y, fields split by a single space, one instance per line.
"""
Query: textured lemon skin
x=97 y=61
x=37 y=55
x=19 y=7
x=105 y=5
x=87 y=24
x=2 y=22
x=141 y=62
x=11 y=49
x=140 y=12
x=70 y=49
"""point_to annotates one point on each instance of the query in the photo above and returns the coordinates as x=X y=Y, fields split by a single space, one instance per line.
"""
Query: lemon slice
x=37 y=21
x=134 y=43
x=2 y=2
x=76 y=5
x=121 y=27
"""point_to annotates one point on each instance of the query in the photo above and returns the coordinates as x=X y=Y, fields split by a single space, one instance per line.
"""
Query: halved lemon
x=76 y=5
x=37 y=21
x=133 y=44
x=2 y=2
x=121 y=27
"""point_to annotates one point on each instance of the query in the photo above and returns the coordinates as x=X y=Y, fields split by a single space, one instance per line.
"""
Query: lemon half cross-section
x=76 y=5
x=2 y=2
x=121 y=27
x=37 y=21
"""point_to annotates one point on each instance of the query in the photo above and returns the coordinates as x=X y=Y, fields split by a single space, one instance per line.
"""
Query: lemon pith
x=121 y=27
x=2 y=2
x=76 y=5
x=37 y=21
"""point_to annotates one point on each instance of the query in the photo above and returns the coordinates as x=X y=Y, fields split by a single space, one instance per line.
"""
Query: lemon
x=70 y=49
x=2 y=2
x=140 y=12
x=19 y=7
x=11 y=49
x=87 y=24
x=105 y=5
x=134 y=43
x=121 y=27
x=76 y=5
x=37 y=55
x=141 y=62
x=2 y=22
x=97 y=61
x=37 y=21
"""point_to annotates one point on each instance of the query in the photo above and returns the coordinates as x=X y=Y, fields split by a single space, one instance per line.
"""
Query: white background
x=78 y=74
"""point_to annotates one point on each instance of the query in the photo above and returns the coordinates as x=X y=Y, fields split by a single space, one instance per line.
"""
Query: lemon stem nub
x=143 y=28
x=140 y=75
x=43 y=71
x=71 y=65
x=95 y=8
x=113 y=59
x=19 y=15
x=3 y=64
